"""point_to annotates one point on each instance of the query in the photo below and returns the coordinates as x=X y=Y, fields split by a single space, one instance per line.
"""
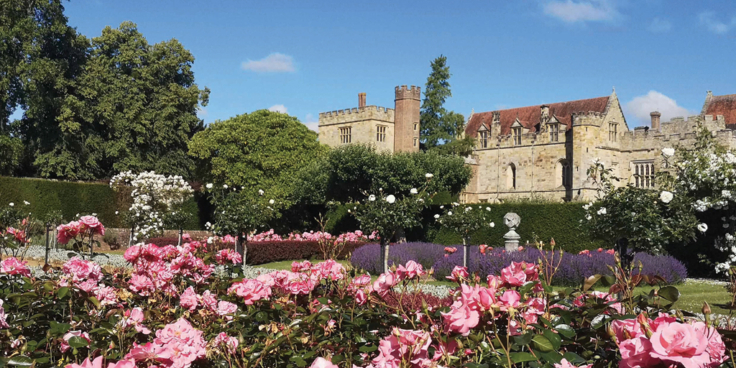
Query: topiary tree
x=240 y=212
x=263 y=149
x=386 y=214
x=465 y=220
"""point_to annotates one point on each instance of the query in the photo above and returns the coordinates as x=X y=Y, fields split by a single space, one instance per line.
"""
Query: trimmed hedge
x=68 y=197
x=72 y=198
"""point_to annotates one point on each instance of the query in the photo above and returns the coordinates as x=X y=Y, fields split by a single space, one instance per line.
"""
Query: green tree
x=348 y=172
x=260 y=150
x=40 y=57
x=442 y=130
x=134 y=108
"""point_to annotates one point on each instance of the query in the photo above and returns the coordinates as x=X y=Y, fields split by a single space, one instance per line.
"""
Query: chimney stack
x=361 y=100
x=655 y=119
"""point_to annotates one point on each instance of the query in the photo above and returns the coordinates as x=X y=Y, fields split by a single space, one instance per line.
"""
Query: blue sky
x=309 y=57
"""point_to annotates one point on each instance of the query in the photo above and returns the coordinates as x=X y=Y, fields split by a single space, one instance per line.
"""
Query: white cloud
x=311 y=123
x=274 y=63
x=581 y=11
x=641 y=106
x=708 y=19
x=279 y=108
x=659 y=25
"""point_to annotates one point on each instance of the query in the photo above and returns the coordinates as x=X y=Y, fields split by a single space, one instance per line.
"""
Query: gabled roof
x=722 y=105
x=529 y=116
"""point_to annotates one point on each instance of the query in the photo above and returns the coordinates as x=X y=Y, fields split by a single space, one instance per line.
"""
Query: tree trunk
x=241 y=246
x=622 y=247
x=465 y=252
x=384 y=254
x=130 y=238
x=47 y=245
x=181 y=235
x=400 y=236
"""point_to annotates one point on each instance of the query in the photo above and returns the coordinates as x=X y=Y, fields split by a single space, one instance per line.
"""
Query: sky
x=307 y=57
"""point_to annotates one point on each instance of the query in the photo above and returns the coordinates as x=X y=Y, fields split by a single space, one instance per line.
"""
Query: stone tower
x=406 y=121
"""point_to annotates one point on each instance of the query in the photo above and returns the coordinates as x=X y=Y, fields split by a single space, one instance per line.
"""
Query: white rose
x=488 y=208
x=209 y=185
x=666 y=196
x=428 y=175
x=436 y=216
x=390 y=198
x=224 y=186
x=668 y=152
x=449 y=213
x=271 y=201
x=26 y=203
x=260 y=192
x=371 y=198
x=492 y=224
x=702 y=227
x=11 y=204
x=602 y=211
x=413 y=191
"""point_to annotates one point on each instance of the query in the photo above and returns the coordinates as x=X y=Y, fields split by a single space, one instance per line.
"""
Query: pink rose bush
x=184 y=306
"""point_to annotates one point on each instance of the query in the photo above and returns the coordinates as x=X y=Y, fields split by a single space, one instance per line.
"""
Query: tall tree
x=262 y=150
x=442 y=130
x=134 y=108
x=40 y=56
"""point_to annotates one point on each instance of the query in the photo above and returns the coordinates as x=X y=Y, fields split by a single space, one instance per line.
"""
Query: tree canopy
x=346 y=173
x=262 y=150
x=442 y=130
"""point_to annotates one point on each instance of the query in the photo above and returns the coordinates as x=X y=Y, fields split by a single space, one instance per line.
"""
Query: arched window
x=511 y=177
x=563 y=176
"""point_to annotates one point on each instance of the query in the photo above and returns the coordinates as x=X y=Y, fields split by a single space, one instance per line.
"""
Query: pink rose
x=360 y=297
x=384 y=283
x=67 y=232
x=226 y=309
x=565 y=364
x=494 y=282
x=188 y=299
x=322 y=363
x=635 y=353
x=97 y=363
x=361 y=281
x=716 y=349
x=411 y=271
x=250 y=290
x=510 y=299
x=681 y=343
x=151 y=353
x=12 y=266
x=91 y=222
x=230 y=344
x=518 y=273
x=458 y=274
x=626 y=329
x=461 y=320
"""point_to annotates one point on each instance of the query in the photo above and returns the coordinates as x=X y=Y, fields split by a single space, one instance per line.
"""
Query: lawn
x=693 y=293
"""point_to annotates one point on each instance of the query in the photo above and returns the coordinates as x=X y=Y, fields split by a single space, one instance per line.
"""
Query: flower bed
x=573 y=269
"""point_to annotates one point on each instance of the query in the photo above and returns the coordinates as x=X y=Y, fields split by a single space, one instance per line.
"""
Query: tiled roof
x=722 y=105
x=529 y=116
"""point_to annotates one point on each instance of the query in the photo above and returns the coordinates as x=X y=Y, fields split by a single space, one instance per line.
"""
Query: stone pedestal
x=511 y=220
x=511 y=241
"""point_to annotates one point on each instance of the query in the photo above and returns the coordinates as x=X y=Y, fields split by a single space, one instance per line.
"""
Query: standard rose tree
x=465 y=220
x=80 y=235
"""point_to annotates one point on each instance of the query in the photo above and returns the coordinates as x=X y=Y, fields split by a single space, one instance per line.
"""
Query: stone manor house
x=541 y=151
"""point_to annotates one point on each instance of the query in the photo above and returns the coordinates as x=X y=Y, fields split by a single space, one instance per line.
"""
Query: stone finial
x=511 y=220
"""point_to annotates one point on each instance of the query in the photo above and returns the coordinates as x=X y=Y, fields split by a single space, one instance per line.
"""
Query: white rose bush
x=154 y=197
x=465 y=220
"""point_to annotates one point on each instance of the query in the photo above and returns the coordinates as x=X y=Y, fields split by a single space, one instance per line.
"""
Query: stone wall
x=363 y=123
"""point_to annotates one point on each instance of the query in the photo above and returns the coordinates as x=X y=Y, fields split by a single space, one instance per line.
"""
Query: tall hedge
x=72 y=198
x=539 y=221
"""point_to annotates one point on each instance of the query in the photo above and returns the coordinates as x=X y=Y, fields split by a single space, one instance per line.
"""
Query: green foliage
x=560 y=221
x=51 y=199
x=261 y=150
x=348 y=172
x=136 y=109
x=465 y=220
x=442 y=129
x=11 y=150
x=387 y=214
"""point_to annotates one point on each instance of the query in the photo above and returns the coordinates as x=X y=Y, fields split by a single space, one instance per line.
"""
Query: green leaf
x=670 y=293
x=21 y=360
x=475 y=365
x=542 y=343
x=78 y=342
x=62 y=292
x=94 y=301
x=553 y=338
x=522 y=357
x=573 y=358
x=565 y=330
x=368 y=349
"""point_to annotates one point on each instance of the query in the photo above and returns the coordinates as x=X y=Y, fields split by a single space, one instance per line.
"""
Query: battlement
x=404 y=92
x=678 y=131
x=528 y=139
x=355 y=114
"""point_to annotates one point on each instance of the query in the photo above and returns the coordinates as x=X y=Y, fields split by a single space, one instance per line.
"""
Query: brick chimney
x=361 y=100
x=655 y=119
